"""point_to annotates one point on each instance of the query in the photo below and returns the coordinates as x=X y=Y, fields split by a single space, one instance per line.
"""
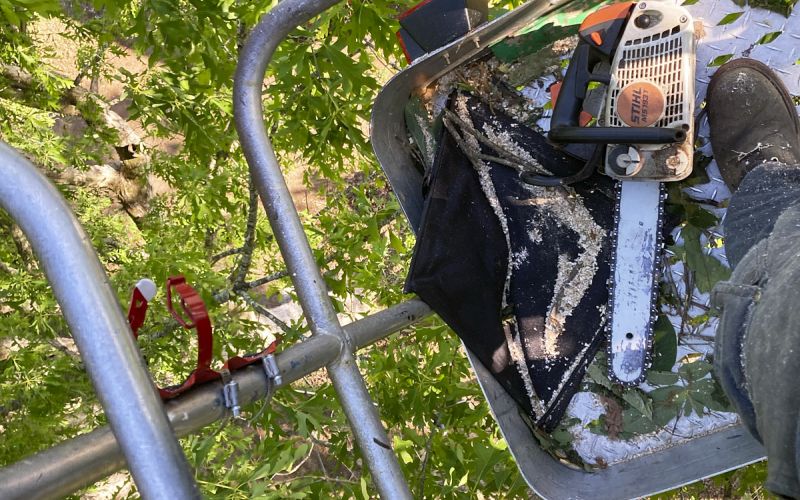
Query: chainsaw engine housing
x=652 y=85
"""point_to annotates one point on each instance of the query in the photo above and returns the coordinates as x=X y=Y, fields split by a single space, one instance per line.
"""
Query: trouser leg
x=764 y=194
x=758 y=342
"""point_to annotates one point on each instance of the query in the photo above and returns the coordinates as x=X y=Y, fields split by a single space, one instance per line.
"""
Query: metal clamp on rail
x=230 y=393
x=271 y=369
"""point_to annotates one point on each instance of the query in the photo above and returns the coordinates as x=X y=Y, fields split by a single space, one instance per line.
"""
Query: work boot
x=753 y=119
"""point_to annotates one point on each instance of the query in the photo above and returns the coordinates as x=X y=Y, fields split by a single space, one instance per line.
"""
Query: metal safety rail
x=140 y=432
x=248 y=113
x=100 y=330
x=81 y=461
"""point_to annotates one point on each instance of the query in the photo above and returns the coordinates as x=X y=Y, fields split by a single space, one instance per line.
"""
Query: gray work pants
x=757 y=354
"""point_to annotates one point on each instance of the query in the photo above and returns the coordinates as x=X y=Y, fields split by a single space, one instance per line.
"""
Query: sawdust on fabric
x=514 y=342
x=574 y=277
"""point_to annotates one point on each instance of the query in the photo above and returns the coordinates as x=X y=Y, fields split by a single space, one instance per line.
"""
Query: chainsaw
x=637 y=60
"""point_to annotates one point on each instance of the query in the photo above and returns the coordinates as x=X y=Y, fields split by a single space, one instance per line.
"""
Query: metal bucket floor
x=729 y=31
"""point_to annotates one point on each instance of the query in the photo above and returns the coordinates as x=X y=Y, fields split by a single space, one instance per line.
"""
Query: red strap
x=192 y=315
x=137 y=311
x=237 y=362
x=195 y=310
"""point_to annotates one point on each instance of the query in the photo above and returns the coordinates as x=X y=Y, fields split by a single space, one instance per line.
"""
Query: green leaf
x=633 y=422
x=665 y=345
x=720 y=60
x=729 y=18
x=769 y=37
x=695 y=370
x=598 y=375
x=705 y=393
x=701 y=218
x=708 y=270
x=662 y=378
x=638 y=401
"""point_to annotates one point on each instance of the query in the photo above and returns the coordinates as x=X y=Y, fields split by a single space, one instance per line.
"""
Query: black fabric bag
x=519 y=272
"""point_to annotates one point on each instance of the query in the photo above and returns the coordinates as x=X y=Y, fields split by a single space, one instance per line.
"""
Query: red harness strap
x=195 y=310
x=192 y=315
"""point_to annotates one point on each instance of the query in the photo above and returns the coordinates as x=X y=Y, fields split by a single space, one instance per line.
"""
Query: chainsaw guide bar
x=633 y=291
x=642 y=55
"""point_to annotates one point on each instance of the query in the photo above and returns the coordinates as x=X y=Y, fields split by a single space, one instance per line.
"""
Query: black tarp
x=542 y=299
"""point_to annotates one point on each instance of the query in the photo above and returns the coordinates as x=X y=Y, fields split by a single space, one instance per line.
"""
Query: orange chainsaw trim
x=605 y=15
x=585 y=117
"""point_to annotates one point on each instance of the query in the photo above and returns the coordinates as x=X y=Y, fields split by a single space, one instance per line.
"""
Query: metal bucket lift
x=142 y=431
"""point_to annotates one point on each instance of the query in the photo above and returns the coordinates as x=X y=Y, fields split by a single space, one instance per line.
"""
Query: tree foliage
x=321 y=85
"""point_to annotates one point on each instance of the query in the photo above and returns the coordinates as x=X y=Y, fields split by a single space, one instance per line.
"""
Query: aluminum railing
x=100 y=330
x=140 y=432
x=81 y=461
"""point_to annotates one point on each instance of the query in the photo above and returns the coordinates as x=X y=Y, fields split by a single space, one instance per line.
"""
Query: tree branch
x=76 y=95
x=266 y=279
x=7 y=269
x=259 y=309
x=424 y=467
x=24 y=249
x=240 y=273
x=231 y=251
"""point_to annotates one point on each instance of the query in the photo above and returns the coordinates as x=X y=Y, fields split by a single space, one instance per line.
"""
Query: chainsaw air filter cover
x=652 y=85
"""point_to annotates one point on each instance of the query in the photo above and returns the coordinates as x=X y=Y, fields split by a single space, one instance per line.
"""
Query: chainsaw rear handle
x=599 y=35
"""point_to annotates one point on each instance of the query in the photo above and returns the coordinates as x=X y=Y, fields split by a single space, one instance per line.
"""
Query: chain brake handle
x=599 y=35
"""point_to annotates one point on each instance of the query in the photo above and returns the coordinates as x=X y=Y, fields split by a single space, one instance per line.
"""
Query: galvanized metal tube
x=78 y=462
x=99 y=328
x=311 y=290
x=249 y=119
x=370 y=329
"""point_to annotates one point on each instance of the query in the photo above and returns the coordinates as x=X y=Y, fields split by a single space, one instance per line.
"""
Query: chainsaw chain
x=656 y=273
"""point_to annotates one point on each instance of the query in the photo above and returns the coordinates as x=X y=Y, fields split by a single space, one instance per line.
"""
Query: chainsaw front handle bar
x=565 y=123
x=100 y=330
x=248 y=111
